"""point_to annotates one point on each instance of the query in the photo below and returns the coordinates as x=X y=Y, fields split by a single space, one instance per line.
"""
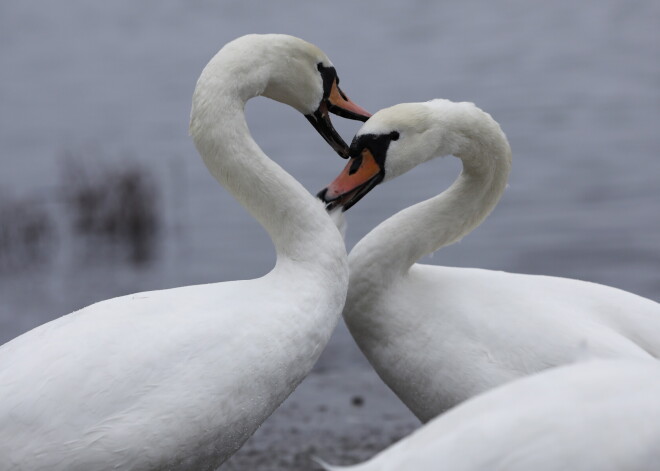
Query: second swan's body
x=440 y=335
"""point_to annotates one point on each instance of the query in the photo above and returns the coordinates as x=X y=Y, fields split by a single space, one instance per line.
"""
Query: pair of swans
x=178 y=379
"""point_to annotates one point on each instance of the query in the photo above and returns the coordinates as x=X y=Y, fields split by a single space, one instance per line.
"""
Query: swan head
x=396 y=139
x=286 y=69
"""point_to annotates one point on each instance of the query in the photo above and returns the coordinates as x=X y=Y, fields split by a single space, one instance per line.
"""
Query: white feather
x=440 y=335
x=178 y=379
x=601 y=415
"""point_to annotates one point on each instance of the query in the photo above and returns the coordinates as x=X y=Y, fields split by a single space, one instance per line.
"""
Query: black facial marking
x=321 y=122
x=329 y=75
x=376 y=143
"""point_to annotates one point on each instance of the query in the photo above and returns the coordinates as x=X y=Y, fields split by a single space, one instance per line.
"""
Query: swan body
x=601 y=414
x=178 y=379
x=440 y=335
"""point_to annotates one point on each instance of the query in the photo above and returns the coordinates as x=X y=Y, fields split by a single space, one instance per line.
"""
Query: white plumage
x=178 y=379
x=599 y=415
x=440 y=335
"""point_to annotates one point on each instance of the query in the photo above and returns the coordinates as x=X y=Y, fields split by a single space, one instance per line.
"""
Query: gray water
x=574 y=85
x=107 y=85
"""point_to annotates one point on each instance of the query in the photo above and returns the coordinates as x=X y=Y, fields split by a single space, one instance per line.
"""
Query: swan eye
x=394 y=136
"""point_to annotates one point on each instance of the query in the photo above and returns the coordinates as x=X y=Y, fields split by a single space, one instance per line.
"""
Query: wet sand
x=342 y=417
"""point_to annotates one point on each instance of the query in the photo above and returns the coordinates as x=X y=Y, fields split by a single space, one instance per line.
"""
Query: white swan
x=178 y=379
x=439 y=335
x=599 y=415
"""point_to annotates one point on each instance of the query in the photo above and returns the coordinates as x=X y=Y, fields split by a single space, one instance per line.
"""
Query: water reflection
x=27 y=234
x=113 y=209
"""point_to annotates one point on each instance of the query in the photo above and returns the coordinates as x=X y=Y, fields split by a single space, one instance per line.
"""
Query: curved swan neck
x=295 y=221
x=392 y=247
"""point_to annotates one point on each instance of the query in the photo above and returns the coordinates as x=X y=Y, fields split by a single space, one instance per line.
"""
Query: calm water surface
x=574 y=86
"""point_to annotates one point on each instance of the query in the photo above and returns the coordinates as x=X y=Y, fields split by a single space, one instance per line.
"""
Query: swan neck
x=395 y=245
x=296 y=222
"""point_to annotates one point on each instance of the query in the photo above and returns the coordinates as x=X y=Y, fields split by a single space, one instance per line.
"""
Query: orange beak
x=338 y=103
x=360 y=175
x=341 y=105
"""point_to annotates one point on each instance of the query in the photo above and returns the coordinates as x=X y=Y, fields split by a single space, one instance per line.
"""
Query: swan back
x=601 y=415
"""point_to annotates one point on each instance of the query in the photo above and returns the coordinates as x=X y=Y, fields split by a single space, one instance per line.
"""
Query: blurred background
x=103 y=194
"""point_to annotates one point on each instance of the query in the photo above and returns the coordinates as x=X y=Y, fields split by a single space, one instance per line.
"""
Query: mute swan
x=597 y=415
x=439 y=335
x=178 y=379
